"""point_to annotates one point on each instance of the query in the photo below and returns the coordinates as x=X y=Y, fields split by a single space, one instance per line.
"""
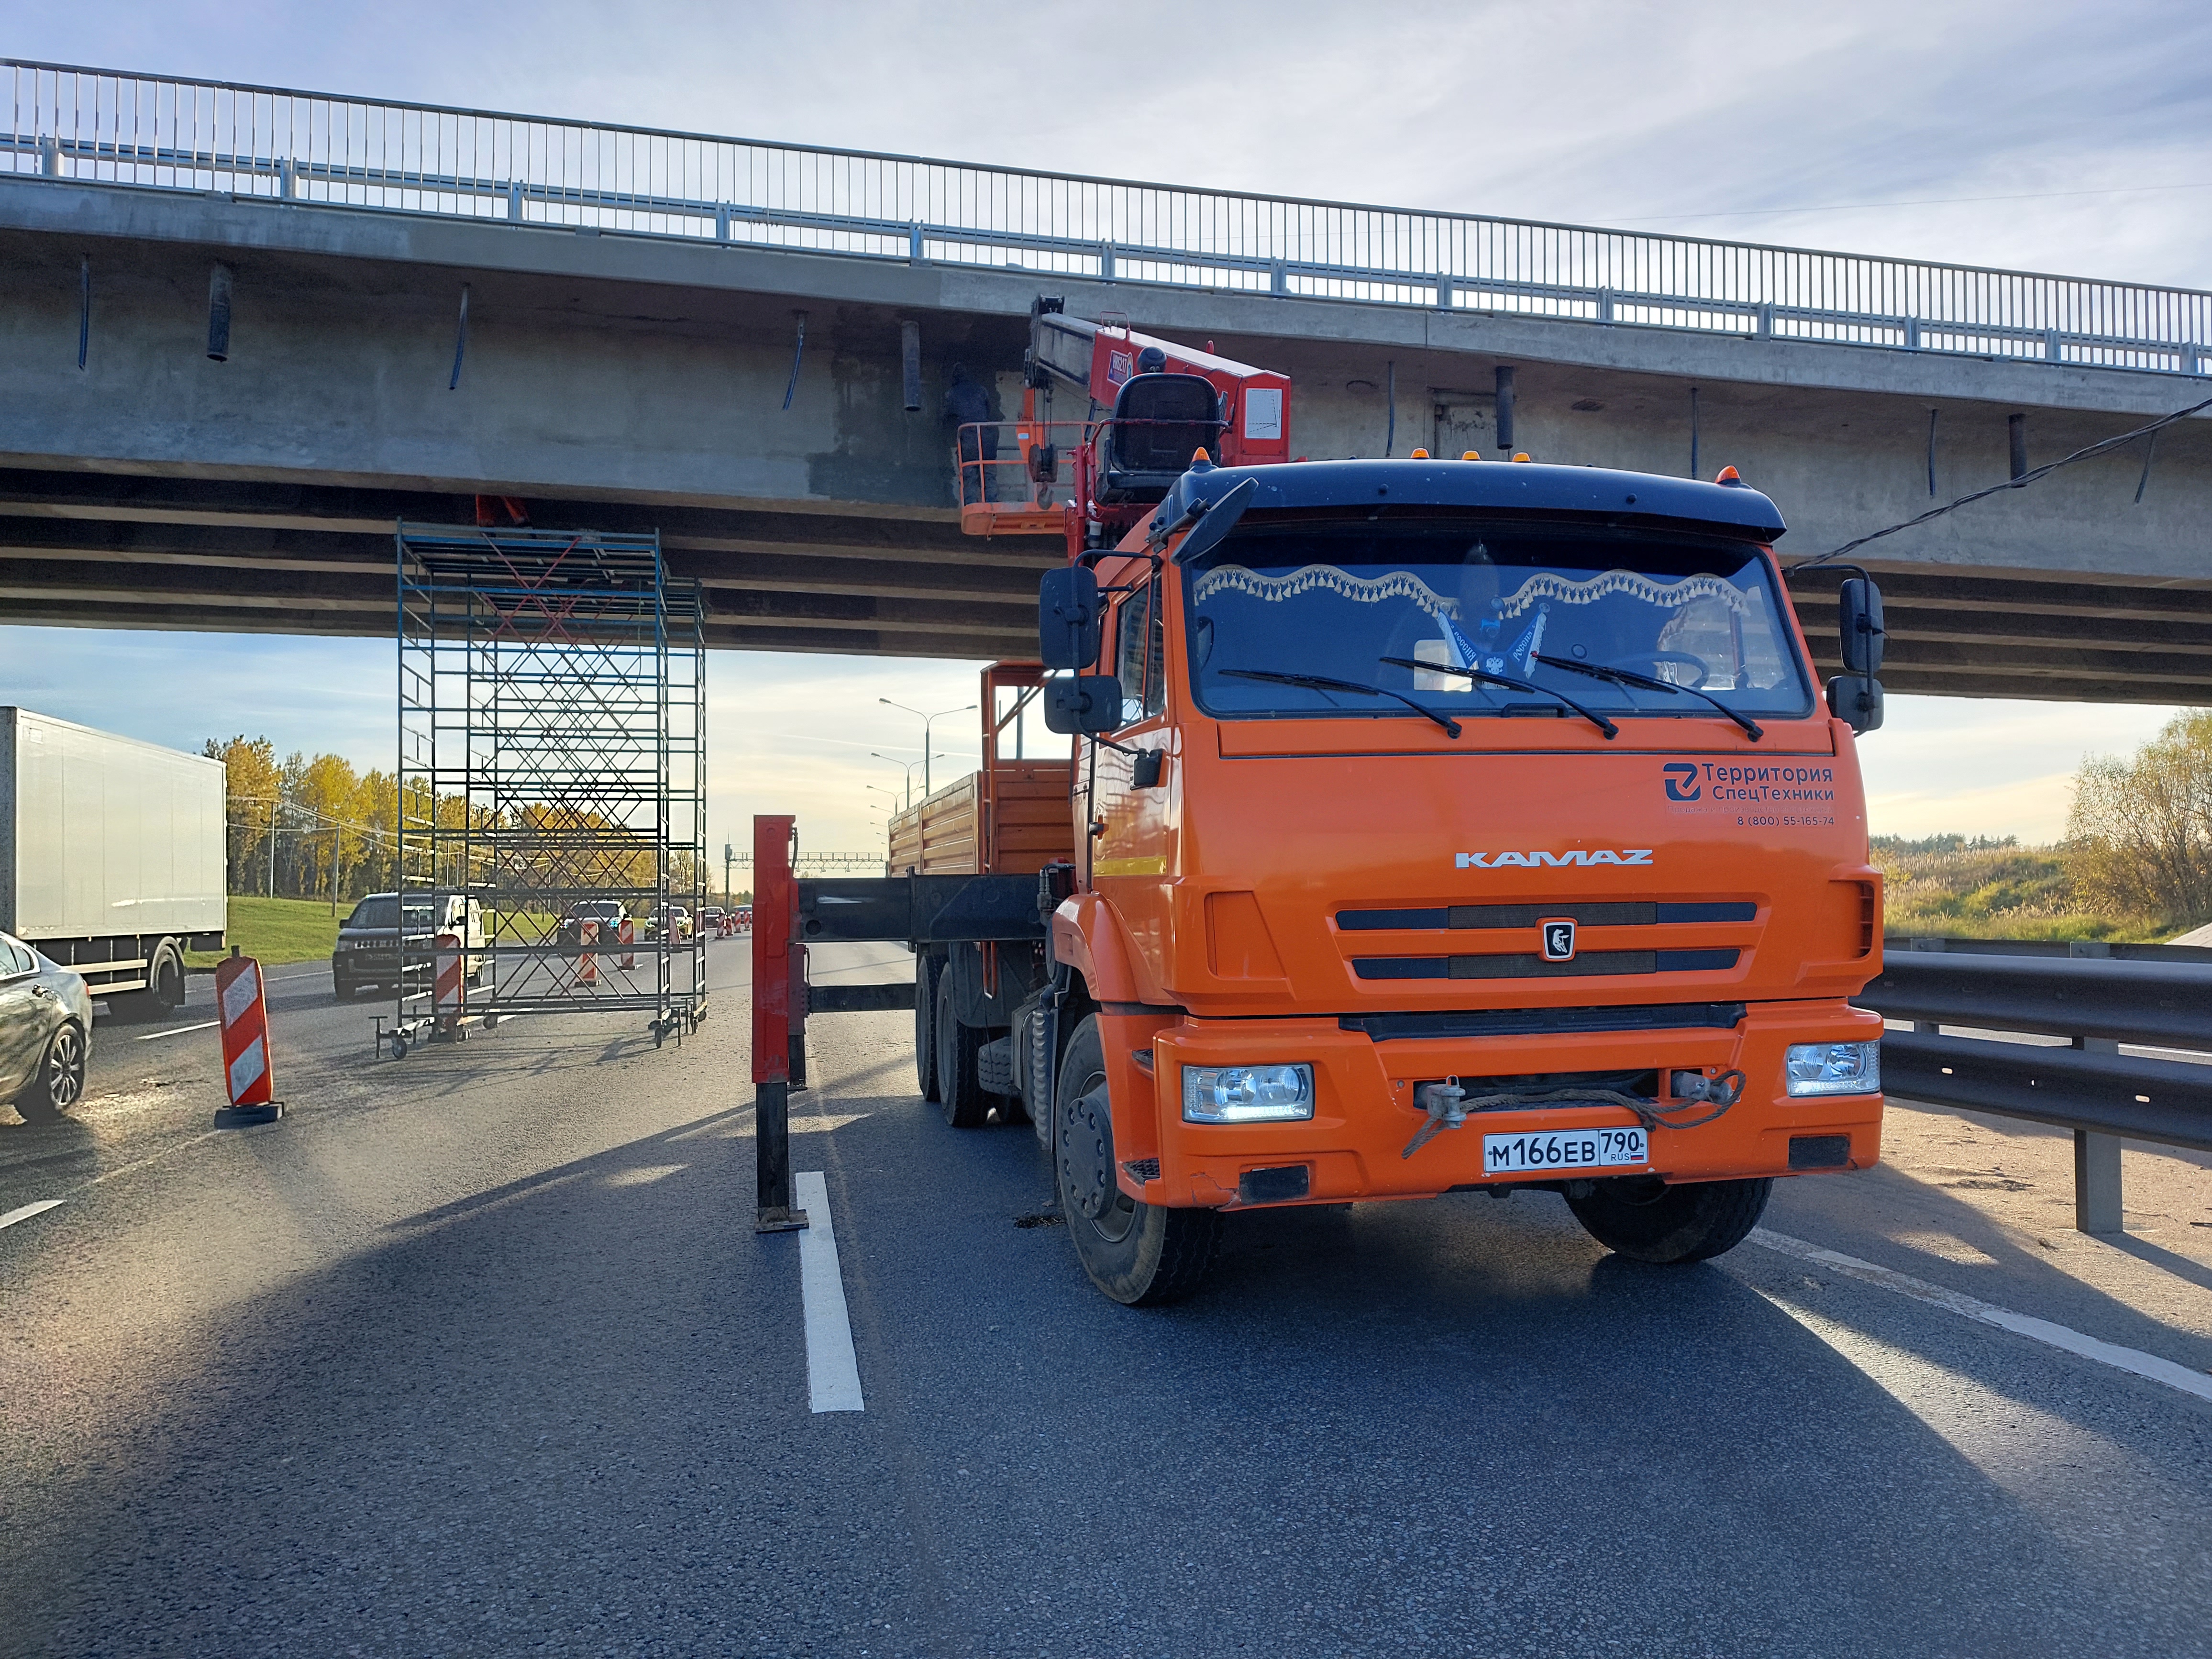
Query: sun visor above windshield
x=1600 y=492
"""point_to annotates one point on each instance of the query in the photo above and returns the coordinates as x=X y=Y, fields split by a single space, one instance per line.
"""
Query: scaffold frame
x=552 y=726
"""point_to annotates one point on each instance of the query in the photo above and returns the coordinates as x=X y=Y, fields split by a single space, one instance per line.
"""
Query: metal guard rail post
x=308 y=148
x=2096 y=999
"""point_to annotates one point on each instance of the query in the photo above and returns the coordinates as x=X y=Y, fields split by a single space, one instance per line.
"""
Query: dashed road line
x=181 y=1031
x=28 y=1211
x=832 y=1371
x=2132 y=1360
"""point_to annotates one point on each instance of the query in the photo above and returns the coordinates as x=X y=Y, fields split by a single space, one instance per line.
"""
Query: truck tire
x=58 y=1083
x=168 y=979
x=1140 y=1254
x=1643 y=1218
x=926 y=969
x=164 y=988
x=960 y=1094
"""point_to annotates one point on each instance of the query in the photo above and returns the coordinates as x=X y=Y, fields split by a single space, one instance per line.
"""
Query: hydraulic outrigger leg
x=775 y=948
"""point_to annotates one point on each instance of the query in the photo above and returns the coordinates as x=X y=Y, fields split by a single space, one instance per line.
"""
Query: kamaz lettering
x=1539 y=861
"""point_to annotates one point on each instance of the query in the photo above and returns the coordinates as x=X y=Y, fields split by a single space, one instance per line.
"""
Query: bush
x=2141 y=832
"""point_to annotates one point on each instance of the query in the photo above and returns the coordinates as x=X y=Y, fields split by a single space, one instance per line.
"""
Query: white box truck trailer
x=111 y=856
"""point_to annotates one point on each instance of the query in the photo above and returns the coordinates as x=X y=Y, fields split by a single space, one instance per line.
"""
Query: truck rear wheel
x=164 y=988
x=1642 y=1218
x=1140 y=1254
x=926 y=969
x=960 y=1094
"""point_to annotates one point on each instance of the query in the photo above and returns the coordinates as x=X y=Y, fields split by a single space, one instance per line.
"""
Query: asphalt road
x=476 y=1352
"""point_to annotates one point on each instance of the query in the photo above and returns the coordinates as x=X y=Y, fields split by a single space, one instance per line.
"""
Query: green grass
x=1992 y=891
x=278 y=930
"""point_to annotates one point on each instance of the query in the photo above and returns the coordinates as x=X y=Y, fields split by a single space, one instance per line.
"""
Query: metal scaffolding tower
x=552 y=768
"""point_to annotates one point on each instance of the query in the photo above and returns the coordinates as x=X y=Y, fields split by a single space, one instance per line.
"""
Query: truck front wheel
x=960 y=1094
x=1642 y=1218
x=1140 y=1254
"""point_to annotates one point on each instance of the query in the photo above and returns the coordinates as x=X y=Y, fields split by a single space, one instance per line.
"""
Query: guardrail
x=217 y=136
x=2097 y=998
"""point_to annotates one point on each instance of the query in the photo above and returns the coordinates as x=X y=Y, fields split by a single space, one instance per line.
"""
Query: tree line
x=307 y=828
x=314 y=827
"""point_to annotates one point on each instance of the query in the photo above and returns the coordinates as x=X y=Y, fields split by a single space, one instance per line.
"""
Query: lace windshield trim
x=1366 y=590
x=1404 y=584
x=1550 y=585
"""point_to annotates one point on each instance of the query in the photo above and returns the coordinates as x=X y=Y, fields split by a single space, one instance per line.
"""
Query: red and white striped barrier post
x=243 y=1008
x=628 y=943
x=588 y=964
x=453 y=980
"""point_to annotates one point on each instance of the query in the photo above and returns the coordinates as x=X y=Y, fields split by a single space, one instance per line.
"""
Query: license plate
x=1567 y=1149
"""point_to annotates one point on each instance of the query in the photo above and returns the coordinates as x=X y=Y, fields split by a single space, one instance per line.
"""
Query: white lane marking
x=832 y=1371
x=181 y=1031
x=2132 y=1360
x=28 y=1211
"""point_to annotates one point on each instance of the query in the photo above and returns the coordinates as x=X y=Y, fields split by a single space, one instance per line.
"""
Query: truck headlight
x=1246 y=1094
x=1834 y=1068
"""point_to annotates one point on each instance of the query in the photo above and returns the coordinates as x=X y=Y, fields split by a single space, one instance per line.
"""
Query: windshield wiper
x=1629 y=676
x=1323 y=683
x=1589 y=714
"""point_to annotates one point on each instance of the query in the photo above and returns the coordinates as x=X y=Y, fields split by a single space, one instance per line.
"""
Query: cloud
x=1941 y=764
x=1584 y=111
x=785 y=733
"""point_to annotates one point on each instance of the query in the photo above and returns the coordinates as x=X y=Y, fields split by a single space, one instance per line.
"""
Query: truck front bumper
x=1354 y=1146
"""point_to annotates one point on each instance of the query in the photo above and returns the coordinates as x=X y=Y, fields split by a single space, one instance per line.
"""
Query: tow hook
x=1722 y=1091
x=1443 y=1103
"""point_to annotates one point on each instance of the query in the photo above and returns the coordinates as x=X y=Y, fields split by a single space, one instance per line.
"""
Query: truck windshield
x=1337 y=597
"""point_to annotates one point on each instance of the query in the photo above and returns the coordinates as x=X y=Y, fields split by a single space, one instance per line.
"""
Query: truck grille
x=1544 y=1022
x=1639 y=913
x=1536 y=967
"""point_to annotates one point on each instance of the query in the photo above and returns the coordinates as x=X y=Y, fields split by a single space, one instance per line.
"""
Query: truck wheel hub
x=1087 y=1153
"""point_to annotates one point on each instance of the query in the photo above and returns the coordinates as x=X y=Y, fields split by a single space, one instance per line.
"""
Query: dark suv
x=367 y=950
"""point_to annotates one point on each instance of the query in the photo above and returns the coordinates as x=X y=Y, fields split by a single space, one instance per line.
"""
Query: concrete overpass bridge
x=424 y=306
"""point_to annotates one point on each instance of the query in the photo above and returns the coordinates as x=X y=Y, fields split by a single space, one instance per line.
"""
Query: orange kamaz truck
x=1433 y=826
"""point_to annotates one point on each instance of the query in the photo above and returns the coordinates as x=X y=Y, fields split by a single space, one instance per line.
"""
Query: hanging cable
x=2103 y=446
x=798 y=356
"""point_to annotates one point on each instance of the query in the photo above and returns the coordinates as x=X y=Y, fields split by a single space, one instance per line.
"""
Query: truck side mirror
x=1082 y=704
x=1859 y=605
x=1068 y=613
x=1856 y=701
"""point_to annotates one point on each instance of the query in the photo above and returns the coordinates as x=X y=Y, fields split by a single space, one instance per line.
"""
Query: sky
x=2061 y=138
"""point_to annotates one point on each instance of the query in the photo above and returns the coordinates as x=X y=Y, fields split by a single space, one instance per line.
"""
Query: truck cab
x=1443 y=826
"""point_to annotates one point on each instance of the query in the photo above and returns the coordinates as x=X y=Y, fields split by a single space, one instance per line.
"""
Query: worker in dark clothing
x=971 y=408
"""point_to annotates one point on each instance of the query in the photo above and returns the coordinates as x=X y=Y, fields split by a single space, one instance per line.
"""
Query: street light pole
x=908 y=765
x=925 y=721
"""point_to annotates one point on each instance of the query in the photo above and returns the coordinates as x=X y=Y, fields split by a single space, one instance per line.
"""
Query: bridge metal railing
x=210 y=135
x=1977 y=1007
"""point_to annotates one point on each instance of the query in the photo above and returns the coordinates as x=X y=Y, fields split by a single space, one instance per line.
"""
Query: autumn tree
x=254 y=787
x=2140 y=830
